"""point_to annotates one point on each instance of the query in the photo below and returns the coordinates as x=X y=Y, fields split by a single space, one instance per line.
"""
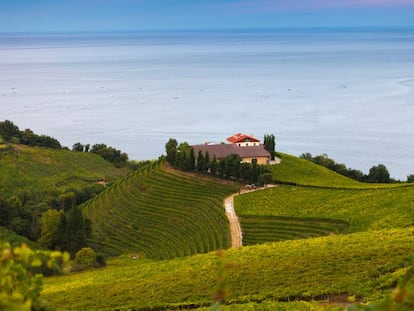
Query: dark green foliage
x=410 y=178
x=171 y=149
x=68 y=231
x=31 y=139
x=77 y=230
x=200 y=161
x=14 y=239
x=191 y=160
x=110 y=154
x=270 y=144
x=15 y=217
x=67 y=201
x=78 y=147
x=8 y=130
x=378 y=174
x=11 y=133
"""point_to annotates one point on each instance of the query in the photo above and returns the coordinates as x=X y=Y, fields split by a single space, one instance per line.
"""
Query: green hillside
x=363 y=265
x=161 y=213
x=23 y=167
x=289 y=212
x=299 y=171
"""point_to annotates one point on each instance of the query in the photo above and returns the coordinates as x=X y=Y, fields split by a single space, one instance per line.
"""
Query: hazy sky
x=67 y=15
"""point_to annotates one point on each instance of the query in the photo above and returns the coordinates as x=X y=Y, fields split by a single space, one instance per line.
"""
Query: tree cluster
x=64 y=231
x=11 y=133
x=182 y=157
x=377 y=174
x=109 y=153
x=22 y=211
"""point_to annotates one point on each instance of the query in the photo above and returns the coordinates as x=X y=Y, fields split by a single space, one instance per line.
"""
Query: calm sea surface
x=349 y=94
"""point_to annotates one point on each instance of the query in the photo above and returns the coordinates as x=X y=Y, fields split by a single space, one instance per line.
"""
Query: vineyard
x=160 y=213
x=290 y=212
x=359 y=265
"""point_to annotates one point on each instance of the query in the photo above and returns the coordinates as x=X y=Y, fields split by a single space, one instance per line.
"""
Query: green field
x=362 y=264
x=158 y=212
x=299 y=171
x=23 y=167
x=289 y=212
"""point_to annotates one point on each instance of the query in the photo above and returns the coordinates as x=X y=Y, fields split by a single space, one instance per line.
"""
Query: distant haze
x=347 y=93
x=99 y=15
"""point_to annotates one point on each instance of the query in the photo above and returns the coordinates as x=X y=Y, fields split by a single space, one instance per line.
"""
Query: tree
x=206 y=163
x=77 y=230
x=8 y=130
x=171 y=149
x=213 y=166
x=200 y=161
x=191 y=160
x=78 y=147
x=379 y=174
x=67 y=201
x=270 y=144
x=50 y=222
x=410 y=178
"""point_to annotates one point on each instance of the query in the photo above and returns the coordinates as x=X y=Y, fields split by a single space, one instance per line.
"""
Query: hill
x=289 y=212
x=297 y=171
x=361 y=265
x=160 y=213
x=24 y=167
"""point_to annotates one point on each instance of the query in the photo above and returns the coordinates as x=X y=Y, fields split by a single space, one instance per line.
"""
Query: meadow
x=361 y=266
x=23 y=167
x=297 y=171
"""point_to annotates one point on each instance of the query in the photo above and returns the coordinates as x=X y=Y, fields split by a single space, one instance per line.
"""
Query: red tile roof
x=239 y=138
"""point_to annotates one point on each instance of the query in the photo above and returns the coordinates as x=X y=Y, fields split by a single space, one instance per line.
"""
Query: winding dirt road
x=235 y=228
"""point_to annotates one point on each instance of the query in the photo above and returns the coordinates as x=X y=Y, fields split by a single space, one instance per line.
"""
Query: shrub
x=86 y=258
x=20 y=287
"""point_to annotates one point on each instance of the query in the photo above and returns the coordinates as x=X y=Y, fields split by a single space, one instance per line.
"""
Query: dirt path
x=235 y=228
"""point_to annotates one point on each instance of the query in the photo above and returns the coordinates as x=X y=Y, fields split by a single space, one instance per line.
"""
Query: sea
x=347 y=93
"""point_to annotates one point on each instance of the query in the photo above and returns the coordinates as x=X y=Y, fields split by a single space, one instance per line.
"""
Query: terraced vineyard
x=160 y=213
x=262 y=229
x=362 y=265
x=290 y=212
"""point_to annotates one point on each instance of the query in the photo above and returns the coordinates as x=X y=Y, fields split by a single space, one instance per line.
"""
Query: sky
x=119 y=15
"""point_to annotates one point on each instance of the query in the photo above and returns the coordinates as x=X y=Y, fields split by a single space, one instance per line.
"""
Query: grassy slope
x=303 y=172
x=329 y=203
x=357 y=264
x=25 y=167
x=160 y=213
